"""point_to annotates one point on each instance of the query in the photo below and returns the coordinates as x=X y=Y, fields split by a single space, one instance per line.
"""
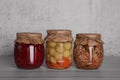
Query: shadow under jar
x=59 y=49
x=88 y=51
x=28 y=50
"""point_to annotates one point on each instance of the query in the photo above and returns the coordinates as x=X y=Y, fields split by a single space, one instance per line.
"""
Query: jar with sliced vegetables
x=29 y=50
x=88 y=51
x=59 y=49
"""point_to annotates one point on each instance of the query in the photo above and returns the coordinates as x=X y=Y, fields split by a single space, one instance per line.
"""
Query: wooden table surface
x=110 y=70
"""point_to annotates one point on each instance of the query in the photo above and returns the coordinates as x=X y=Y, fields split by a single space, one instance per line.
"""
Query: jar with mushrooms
x=88 y=51
x=58 y=49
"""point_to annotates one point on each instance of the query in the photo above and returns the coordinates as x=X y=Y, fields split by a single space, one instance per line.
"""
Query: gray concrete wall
x=81 y=16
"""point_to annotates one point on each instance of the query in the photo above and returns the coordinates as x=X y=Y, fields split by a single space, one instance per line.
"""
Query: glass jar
x=28 y=50
x=88 y=51
x=59 y=49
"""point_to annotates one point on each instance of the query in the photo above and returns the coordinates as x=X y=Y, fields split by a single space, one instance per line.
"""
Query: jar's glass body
x=87 y=57
x=28 y=56
x=58 y=54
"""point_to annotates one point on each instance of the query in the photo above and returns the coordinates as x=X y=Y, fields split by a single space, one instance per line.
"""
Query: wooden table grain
x=110 y=70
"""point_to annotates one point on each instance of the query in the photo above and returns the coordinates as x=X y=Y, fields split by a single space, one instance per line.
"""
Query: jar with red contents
x=28 y=50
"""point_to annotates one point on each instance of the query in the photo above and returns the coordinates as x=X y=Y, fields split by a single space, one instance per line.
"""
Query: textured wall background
x=100 y=16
